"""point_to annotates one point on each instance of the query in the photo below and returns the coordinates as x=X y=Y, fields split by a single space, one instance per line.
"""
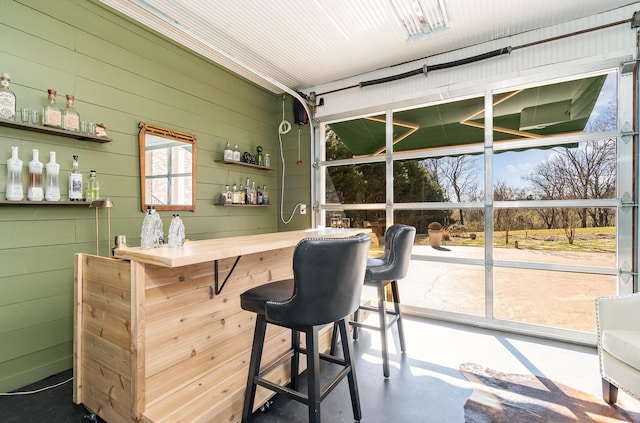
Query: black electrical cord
x=425 y=69
x=635 y=21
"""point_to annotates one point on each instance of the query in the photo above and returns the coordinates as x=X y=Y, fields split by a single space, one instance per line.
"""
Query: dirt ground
x=551 y=298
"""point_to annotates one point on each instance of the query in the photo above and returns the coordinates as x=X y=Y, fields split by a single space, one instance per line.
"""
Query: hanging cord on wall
x=283 y=129
x=8 y=394
x=299 y=161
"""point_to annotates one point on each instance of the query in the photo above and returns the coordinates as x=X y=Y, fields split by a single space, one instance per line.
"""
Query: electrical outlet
x=303 y=209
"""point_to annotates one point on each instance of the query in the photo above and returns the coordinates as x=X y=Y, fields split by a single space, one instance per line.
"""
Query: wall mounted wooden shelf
x=231 y=162
x=243 y=205
x=44 y=203
x=53 y=131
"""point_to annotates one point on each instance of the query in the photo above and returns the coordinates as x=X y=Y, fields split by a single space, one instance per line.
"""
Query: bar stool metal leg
x=382 y=314
x=356 y=315
x=398 y=317
x=254 y=367
x=351 y=377
x=313 y=375
x=295 y=359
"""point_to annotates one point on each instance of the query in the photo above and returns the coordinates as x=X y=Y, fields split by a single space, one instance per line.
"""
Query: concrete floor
x=425 y=383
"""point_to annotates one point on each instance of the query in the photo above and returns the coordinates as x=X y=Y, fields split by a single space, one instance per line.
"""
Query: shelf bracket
x=218 y=287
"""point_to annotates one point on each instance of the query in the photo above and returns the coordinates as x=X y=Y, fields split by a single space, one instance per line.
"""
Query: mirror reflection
x=167 y=168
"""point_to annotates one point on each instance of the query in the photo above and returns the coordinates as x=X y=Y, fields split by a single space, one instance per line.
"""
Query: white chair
x=618 y=325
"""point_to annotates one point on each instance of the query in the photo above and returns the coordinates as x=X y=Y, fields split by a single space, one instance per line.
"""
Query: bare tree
x=587 y=171
x=547 y=183
x=506 y=217
x=457 y=176
x=568 y=219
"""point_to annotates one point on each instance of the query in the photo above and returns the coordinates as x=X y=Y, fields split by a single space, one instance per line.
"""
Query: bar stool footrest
x=296 y=395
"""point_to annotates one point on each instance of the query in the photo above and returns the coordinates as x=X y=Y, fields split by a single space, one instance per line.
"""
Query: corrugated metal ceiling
x=300 y=44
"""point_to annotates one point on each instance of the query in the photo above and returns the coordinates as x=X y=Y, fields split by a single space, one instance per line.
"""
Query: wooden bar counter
x=160 y=336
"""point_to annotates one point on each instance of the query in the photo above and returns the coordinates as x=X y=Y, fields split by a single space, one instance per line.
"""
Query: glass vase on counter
x=176 y=232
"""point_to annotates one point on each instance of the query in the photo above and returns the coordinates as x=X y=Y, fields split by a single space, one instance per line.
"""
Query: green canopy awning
x=530 y=113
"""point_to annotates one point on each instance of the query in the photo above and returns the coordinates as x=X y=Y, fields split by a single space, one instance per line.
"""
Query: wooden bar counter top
x=159 y=335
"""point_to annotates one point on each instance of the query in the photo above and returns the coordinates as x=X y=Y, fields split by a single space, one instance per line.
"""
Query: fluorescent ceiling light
x=421 y=18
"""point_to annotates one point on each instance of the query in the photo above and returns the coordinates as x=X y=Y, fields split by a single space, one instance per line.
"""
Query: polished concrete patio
x=425 y=384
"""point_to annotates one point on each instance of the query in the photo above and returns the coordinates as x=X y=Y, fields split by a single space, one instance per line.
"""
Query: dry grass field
x=586 y=240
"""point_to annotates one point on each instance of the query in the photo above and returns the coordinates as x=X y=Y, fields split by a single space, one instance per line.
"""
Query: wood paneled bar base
x=160 y=336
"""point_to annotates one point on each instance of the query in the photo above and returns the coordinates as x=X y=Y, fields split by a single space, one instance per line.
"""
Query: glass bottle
x=236 y=153
x=259 y=197
x=70 y=117
x=259 y=157
x=75 y=182
x=35 y=192
x=248 y=193
x=243 y=195
x=255 y=192
x=228 y=152
x=235 y=195
x=228 y=196
x=265 y=195
x=52 y=115
x=93 y=187
x=52 y=189
x=14 y=191
x=7 y=99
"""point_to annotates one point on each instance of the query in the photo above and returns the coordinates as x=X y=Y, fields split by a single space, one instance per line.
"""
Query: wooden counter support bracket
x=218 y=289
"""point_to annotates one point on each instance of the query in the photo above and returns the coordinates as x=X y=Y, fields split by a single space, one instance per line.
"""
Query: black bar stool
x=326 y=288
x=385 y=270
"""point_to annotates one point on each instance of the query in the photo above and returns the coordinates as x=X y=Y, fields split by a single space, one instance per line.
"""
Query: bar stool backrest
x=398 y=243
x=328 y=275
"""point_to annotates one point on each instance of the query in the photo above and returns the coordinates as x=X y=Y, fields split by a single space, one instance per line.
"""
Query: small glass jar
x=267 y=160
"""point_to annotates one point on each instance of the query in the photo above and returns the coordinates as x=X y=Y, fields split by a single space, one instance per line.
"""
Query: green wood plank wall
x=121 y=74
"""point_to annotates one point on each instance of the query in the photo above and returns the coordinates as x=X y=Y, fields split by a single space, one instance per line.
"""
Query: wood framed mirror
x=167 y=168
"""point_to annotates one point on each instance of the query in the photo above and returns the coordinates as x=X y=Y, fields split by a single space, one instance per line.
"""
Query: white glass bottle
x=75 y=182
x=7 y=99
x=52 y=115
x=14 y=191
x=35 y=191
x=70 y=117
x=52 y=189
x=228 y=152
x=236 y=153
